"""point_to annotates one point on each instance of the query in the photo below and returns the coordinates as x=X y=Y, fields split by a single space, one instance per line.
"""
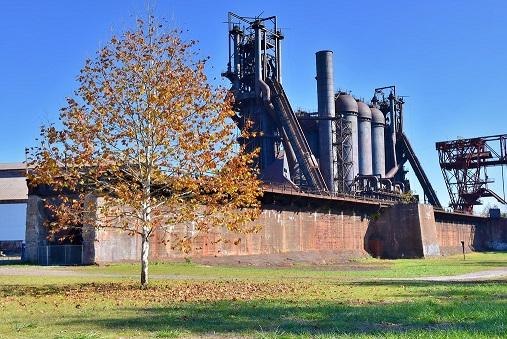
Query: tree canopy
x=148 y=133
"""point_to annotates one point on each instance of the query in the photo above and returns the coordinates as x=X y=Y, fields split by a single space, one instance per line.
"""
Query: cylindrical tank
x=346 y=106
x=364 y=137
x=378 y=123
x=326 y=109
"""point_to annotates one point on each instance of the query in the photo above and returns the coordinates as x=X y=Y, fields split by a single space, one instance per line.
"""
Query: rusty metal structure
x=464 y=164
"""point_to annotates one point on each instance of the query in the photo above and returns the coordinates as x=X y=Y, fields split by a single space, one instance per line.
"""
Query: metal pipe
x=370 y=178
x=392 y=131
x=279 y=56
x=388 y=182
x=401 y=102
x=229 y=28
x=326 y=109
x=265 y=90
x=236 y=69
x=400 y=185
x=257 y=26
x=393 y=171
x=264 y=55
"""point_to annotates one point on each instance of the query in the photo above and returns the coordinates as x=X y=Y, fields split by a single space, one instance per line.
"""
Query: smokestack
x=326 y=110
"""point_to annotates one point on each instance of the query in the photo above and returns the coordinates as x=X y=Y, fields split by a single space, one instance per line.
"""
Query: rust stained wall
x=396 y=233
x=450 y=234
x=401 y=231
x=479 y=234
x=283 y=231
x=404 y=231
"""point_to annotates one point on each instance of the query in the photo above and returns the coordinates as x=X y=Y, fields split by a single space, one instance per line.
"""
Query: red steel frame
x=464 y=163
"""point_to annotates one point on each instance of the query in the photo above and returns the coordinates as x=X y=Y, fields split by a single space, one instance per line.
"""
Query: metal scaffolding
x=342 y=135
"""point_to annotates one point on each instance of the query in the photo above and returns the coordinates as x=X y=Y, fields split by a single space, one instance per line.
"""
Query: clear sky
x=448 y=56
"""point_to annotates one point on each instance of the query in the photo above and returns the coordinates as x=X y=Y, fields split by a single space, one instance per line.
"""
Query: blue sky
x=447 y=56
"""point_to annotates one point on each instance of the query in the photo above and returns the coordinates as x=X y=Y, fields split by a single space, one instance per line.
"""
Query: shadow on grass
x=315 y=317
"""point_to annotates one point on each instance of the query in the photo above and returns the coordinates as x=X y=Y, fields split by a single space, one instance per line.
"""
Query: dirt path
x=42 y=271
x=497 y=273
x=54 y=271
x=474 y=276
x=49 y=271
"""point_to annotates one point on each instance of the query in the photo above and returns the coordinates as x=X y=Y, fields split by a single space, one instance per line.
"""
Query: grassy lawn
x=191 y=300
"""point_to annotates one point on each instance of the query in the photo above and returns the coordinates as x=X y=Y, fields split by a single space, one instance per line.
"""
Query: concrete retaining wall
x=288 y=230
x=36 y=234
x=299 y=225
x=404 y=231
x=451 y=234
x=491 y=236
x=283 y=231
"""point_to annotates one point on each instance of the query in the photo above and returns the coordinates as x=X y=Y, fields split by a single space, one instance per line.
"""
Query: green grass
x=364 y=267
x=299 y=301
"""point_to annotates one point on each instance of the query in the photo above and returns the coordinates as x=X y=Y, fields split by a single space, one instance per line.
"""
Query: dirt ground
x=68 y=272
x=317 y=260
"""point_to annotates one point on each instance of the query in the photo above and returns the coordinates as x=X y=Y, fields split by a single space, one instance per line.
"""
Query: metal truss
x=342 y=144
x=464 y=164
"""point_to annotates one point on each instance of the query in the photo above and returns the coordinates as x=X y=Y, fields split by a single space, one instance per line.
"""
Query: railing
x=60 y=255
x=293 y=190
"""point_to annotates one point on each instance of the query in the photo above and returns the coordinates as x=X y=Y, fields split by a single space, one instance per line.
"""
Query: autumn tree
x=147 y=133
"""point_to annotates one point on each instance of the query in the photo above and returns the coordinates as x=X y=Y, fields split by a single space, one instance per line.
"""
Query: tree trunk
x=145 y=250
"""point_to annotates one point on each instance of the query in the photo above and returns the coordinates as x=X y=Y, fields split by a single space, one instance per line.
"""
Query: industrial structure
x=464 y=164
x=332 y=178
x=347 y=147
